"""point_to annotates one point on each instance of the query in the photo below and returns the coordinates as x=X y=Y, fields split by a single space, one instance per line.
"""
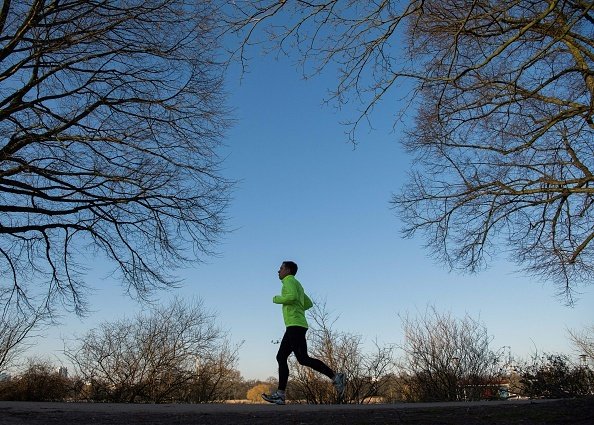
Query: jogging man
x=295 y=302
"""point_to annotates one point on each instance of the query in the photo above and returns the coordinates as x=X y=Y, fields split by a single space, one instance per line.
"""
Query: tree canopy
x=111 y=113
x=502 y=94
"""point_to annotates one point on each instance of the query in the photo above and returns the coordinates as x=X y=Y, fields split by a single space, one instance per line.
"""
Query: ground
x=574 y=411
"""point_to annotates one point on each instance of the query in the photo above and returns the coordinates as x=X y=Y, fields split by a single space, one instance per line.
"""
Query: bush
x=254 y=393
x=554 y=376
x=173 y=353
x=342 y=352
x=39 y=382
x=448 y=358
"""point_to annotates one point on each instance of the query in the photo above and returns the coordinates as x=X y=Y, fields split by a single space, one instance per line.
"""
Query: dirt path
x=575 y=412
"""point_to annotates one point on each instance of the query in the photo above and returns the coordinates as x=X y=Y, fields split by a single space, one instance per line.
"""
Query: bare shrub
x=154 y=356
x=555 y=376
x=448 y=359
x=39 y=381
x=343 y=352
x=216 y=376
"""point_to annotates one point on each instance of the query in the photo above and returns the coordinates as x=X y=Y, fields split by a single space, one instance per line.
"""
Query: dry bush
x=447 y=359
x=172 y=353
x=255 y=393
x=39 y=381
x=343 y=352
x=555 y=376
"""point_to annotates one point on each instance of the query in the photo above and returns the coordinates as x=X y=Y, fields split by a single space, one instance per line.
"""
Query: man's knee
x=303 y=359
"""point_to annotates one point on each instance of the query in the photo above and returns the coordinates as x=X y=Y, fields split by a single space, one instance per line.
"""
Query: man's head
x=287 y=268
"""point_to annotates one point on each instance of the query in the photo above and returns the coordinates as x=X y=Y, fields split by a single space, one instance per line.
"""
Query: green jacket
x=294 y=302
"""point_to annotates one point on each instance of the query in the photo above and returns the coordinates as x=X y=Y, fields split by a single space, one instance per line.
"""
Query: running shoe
x=339 y=383
x=275 y=398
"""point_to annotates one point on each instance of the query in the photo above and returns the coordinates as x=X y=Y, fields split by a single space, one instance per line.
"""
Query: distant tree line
x=177 y=353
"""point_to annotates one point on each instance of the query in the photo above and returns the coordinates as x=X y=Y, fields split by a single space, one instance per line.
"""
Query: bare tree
x=151 y=357
x=447 y=358
x=216 y=374
x=583 y=342
x=504 y=100
x=110 y=116
x=343 y=352
x=16 y=327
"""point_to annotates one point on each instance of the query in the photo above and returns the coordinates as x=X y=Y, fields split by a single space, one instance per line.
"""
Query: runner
x=295 y=302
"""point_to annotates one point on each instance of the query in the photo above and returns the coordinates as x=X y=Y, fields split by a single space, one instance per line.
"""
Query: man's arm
x=289 y=296
x=307 y=303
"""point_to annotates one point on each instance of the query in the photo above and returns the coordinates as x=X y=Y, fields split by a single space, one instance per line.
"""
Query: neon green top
x=294 y=301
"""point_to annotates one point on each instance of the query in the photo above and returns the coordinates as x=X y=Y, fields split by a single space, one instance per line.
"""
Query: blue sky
x=305 y=194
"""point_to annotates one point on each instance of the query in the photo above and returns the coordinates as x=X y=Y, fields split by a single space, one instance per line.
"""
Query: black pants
x=294 y=342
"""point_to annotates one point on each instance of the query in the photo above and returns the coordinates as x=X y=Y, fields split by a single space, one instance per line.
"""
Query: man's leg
x=284 y=351
x=299 y=343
